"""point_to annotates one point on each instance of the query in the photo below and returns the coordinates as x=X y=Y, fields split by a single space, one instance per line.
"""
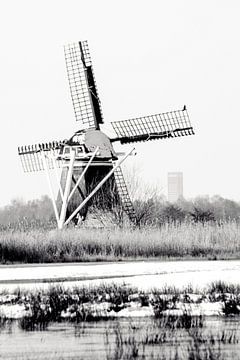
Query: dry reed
x=170 y=241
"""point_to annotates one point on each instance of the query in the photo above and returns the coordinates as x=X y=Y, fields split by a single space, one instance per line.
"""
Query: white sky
x=149 y=57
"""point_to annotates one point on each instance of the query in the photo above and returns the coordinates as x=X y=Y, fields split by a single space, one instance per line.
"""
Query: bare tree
x=145 y=197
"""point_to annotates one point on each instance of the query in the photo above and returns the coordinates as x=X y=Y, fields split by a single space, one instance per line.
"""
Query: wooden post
x=57 y=177
x=67 y=190
x=50 y=186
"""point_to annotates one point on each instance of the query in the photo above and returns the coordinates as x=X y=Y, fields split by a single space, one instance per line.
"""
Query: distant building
x=175 y=186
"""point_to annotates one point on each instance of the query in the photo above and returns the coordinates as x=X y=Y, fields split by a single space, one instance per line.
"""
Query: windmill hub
x=88 y=161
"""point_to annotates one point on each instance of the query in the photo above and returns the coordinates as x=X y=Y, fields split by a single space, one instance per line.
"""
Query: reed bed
x=185 y=240
x=103 y=302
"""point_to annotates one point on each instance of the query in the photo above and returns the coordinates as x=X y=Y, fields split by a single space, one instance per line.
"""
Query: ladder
x=124 y=195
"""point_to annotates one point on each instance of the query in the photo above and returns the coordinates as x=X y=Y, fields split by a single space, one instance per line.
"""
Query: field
x=179 y=241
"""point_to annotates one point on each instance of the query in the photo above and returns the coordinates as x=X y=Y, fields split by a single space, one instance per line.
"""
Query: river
x=118 y=339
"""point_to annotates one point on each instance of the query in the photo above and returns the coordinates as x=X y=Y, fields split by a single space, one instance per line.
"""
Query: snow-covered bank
x=114 y=302
x=144 y=275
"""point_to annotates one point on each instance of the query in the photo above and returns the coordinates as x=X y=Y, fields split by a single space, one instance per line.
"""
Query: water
x=118 y=339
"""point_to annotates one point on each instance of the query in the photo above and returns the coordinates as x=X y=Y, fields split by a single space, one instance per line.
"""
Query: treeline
x=155 y=211
x=22 y=215
x=202 y=209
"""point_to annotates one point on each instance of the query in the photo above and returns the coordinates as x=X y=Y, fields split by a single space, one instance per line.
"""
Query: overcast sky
x=149 y=57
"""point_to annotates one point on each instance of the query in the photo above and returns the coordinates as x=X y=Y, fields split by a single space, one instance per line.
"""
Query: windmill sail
x=31 y=156
x=86 y=103
x=124 y=195
x=160 y=126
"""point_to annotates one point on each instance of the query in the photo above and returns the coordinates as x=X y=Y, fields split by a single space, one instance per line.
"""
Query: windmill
x=90 y=171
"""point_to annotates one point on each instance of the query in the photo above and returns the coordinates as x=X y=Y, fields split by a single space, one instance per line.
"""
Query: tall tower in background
x=175 y=186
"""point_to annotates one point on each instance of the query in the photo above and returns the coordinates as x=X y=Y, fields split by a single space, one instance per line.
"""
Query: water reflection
x=118 y=339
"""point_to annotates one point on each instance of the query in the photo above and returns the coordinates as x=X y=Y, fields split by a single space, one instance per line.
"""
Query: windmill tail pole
x=67 y=190
x=98 y=187
x=50 y=185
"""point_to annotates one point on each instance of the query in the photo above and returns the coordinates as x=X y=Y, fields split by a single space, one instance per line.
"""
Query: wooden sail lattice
x=31 y=156
x=124 y=195
x=153 y=127
x=86 y=103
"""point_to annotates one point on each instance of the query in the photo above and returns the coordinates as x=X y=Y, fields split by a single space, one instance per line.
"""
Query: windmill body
x=84 y=144
x=89 y=165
